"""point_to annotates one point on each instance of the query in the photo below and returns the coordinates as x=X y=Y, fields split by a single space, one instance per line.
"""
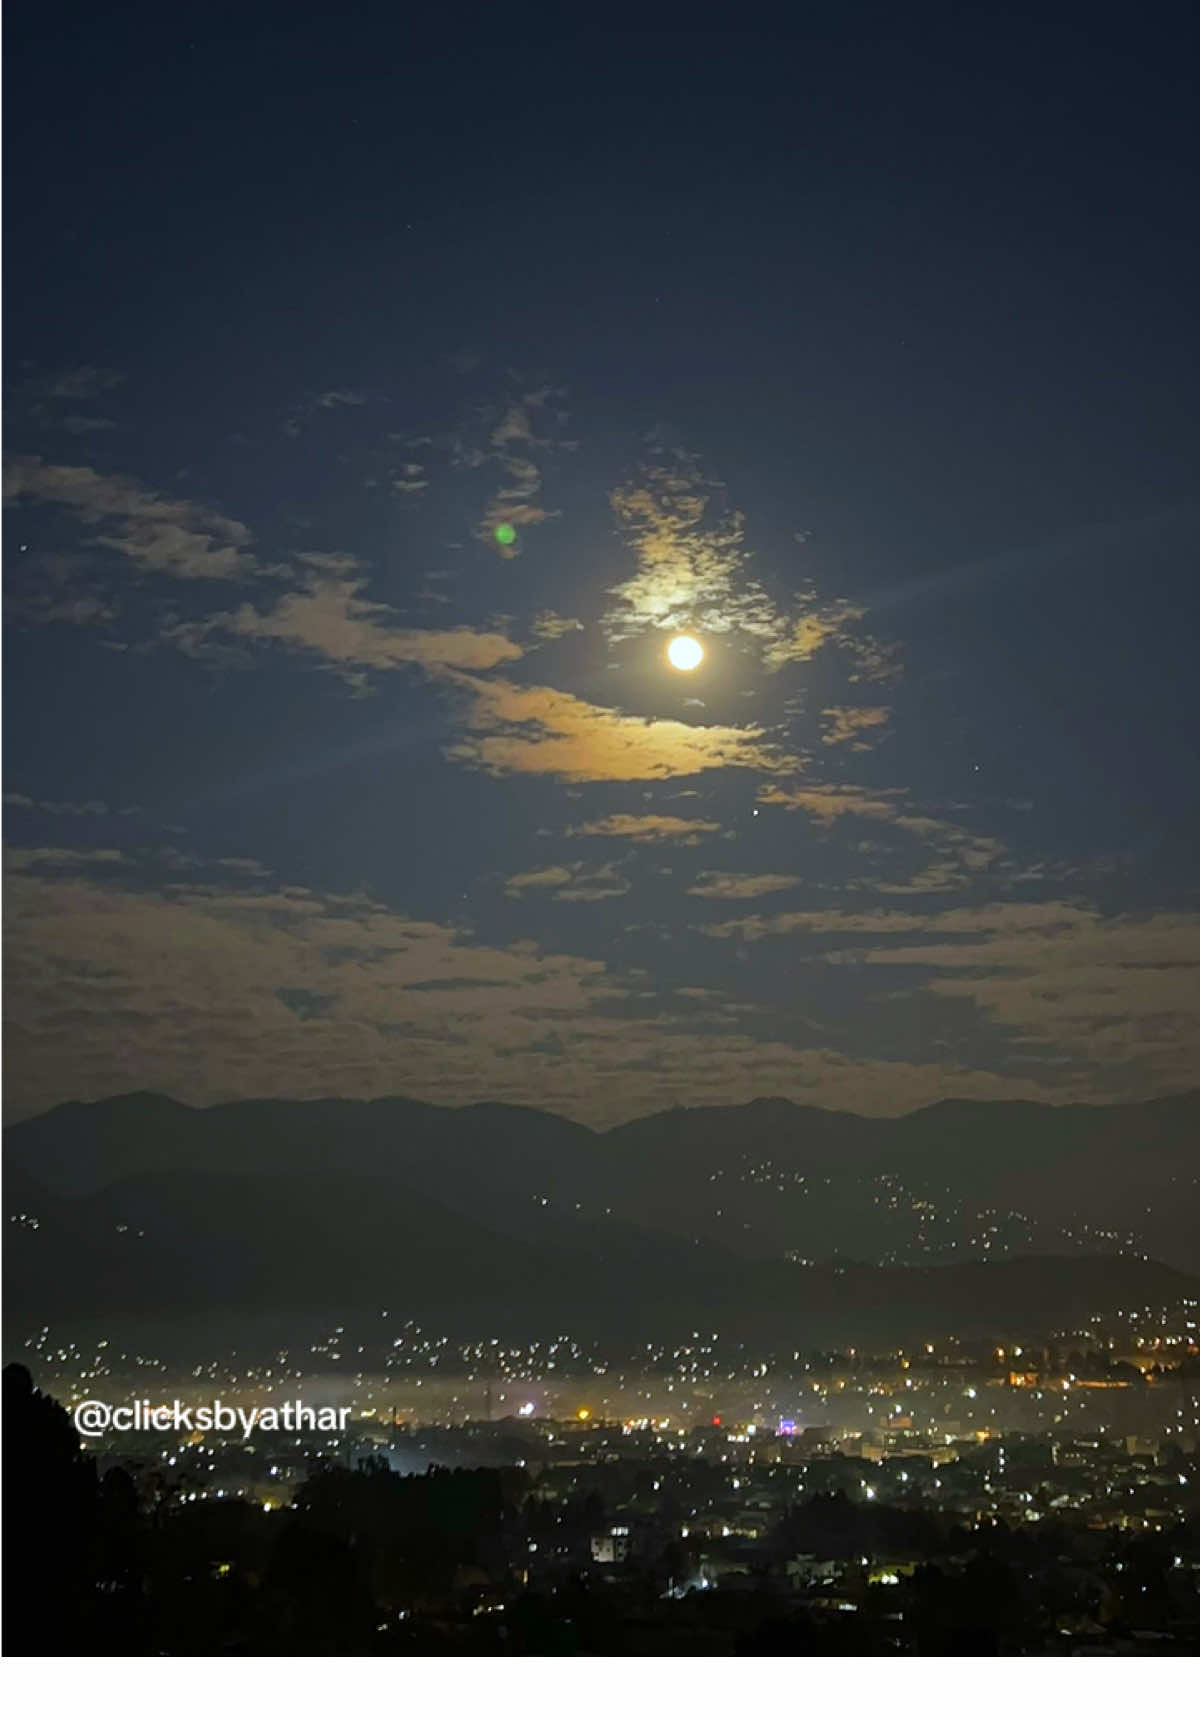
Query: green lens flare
x=506 y=534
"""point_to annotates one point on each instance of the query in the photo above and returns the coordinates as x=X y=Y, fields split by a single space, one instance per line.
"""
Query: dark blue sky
x=865 y=354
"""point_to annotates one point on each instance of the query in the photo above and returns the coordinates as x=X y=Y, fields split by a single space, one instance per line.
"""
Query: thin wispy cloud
x=738 y=886
x=154 y=533
x=645 y=827
x=516 y=444
x=84 y=382
x=329 y=400
x=331 y=620
x=853 y=726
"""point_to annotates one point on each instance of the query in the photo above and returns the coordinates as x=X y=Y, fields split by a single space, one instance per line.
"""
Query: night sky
x=379 y=408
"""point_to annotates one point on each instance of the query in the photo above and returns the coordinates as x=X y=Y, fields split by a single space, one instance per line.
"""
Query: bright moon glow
x=685 y=653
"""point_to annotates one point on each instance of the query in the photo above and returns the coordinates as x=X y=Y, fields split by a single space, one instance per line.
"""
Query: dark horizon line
x=1191 y=1093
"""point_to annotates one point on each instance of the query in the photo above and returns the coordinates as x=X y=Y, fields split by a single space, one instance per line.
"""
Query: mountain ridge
x=763 y=1179
x=968 y=1107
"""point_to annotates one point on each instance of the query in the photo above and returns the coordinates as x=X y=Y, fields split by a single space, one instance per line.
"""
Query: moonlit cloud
x=331 y=620
x=549 y=877
x=138 y=976
x=59 y=808
x=214 y=993
x=825 y=803
x=63 y=859
x=539 y=731
x=330 y=400
x=155 y=533
x=818 y=627
x=648 y=827
x=914 y=853
x=688 y=564
x=547 y=626
x=693 y=574
x=847 y=725
x=527 y=429
x=84 y=382
x=734 y=886
x=595 y=883
x=1120 y=994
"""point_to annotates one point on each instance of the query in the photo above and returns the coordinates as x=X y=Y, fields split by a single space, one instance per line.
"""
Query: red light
x=716 y=1420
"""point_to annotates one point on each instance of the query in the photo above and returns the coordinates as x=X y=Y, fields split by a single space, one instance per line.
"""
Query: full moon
x=685 y=653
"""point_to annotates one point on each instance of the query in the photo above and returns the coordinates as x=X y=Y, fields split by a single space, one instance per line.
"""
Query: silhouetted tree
x=49 y=1524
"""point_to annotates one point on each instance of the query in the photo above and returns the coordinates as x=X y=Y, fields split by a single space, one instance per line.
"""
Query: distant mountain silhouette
x=79 y=1146
x=495 y=1214
x=1099 y=1163
x=76 y=1148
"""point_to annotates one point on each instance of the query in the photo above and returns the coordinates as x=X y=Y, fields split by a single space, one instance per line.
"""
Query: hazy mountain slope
x=948 y=1183
x=234 y=1248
